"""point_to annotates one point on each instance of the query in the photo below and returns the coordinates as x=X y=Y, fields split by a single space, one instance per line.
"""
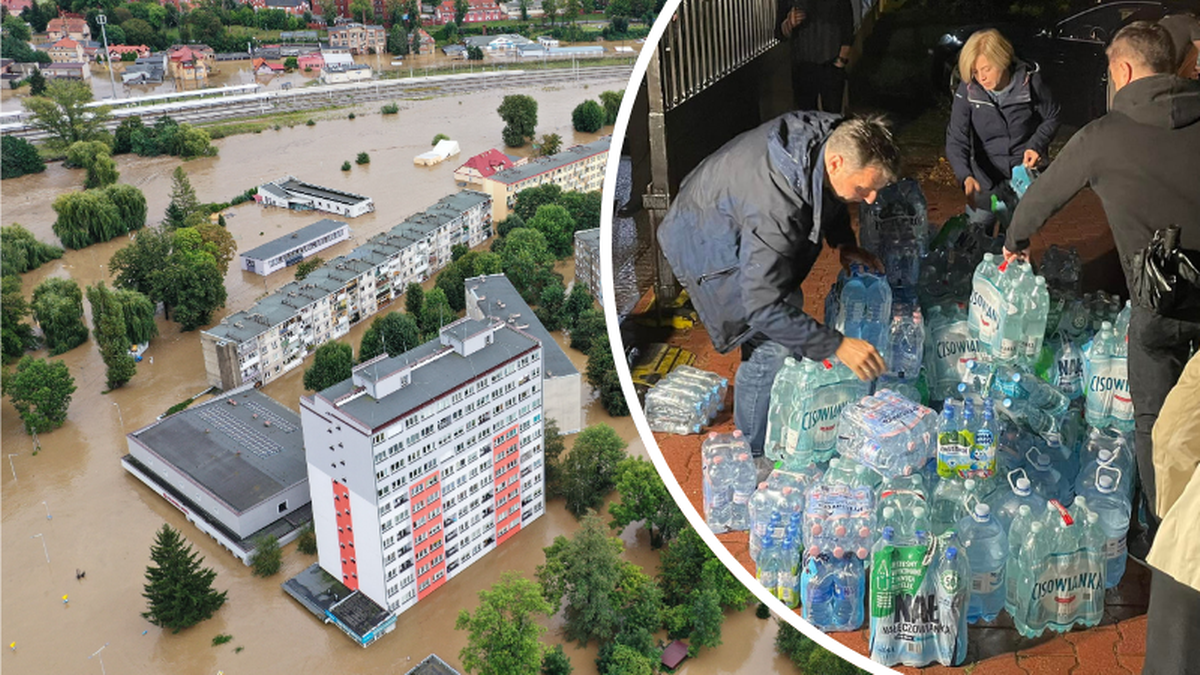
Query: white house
x=291 y=193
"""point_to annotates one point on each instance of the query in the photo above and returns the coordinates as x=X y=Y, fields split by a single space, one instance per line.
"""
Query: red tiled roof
x=674 y=654
x=66 y=43
x=488 y=163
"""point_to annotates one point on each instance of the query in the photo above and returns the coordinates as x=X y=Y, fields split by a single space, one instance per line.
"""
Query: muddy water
x=104 y=520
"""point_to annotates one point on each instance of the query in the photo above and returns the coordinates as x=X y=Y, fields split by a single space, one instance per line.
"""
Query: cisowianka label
x=1066 y=584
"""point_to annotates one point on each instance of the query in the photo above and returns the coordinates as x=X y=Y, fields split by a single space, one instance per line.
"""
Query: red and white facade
x=477 y=10
x=423 y=463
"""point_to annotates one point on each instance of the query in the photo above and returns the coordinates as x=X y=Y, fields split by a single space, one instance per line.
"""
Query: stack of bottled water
x=967 y=441
x=777 y=566
x=907 y=342
x=1029 y=400
x=920 y=593
x=949 y=345
x=895 y=228
x=685 y=401
x=902 y=504
x=1060 y=573
x=806 y=399
x=888 y=433
x=838 y=526
x=1109 y=499
x=1107 y=372
x=1106 y=448
x=1005 y=504
x=1101 y=307
x=1062 y=365
x=986 y=541
x=952 y=500
x=1009 y=310
x=729 y=484
x=772 y=508
x=865 y=309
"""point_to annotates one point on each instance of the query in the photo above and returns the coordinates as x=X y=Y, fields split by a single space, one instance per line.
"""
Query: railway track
x=207 y=110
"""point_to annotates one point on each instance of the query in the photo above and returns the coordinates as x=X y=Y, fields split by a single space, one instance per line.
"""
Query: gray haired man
x=748 y=225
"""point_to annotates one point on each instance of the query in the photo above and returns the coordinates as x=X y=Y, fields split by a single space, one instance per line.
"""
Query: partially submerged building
x=234 y=466
x=290 y=192
x=292 y=248
x=587 y=262
x=579 y=168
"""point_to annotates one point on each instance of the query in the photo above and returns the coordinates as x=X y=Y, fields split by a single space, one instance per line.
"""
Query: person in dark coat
x=746 y=228
x=1143 y=160
x=820 y=34
x=1003 y=117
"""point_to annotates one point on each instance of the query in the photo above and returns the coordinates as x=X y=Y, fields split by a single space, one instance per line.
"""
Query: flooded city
x=68 y=506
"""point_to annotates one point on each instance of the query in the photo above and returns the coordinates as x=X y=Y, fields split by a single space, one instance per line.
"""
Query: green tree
x=361 y=10
x=392 y=334
x=528 y=201
x=192 y=283
x=58 y=308
x=139 y=266
x=18 y=157
x=460 y=11
x=550 y=8
x=178 y=590
x=130 y=204
x=589 y=472
x=139 y=32
x=15 y=29
x=306 y=543
x=267 y=557
x=707 y=618
x=519 y=112
x=687 y=566
x=584 y=208
x=414 y=299
x=556 y=661
x=644 y=498
x=37 y=83
x=63 y=115
x=398 y=40
x=611 y=100
x=307 y=267
x=291 y=63
x=619 y=9
x=16 y=336
x=550 y=145
x=108 y=320
x=602 y=374
x=140 y=326
x=550 y=304
x=587 y=117
x=527 y=262
x=475 y=53
x=587 y=328
x=584 y=572
x=578 y=302
x=123 y=136
x=436 y=312
x=412 y=8
x=557 y=226
x=41 y=391
x=626 y=660
x=504 y=633
x=363 y=158
x=183 y=200
x=809 y=656
x=438 y=138
x=553 y=447
x=85 y=218
x=331 y=364
x=512 y=222
x=20 y=251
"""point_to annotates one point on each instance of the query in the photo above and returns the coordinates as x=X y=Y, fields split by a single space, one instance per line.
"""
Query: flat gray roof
x=465 y=328
x=310 y=190
x=335 y=274
x=543 y=164
x=430 y=380
x=294 y=240
x=230 y=449
x=432 y=665
x=497 y=290
x=589 y=237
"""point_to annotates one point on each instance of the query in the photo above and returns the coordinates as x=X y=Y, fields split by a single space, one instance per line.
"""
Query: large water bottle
x=742 y=488
x=1093 y=541
x=908 y=344
x=1066 y=370
x=953 y=599
x=1107 y=500
x=1008 y=344
x=987 y=549
x=853 y=306
x=787 y=389
x=763 y=515
x=878 y=316
x=1018 y=533
x=952 y=499
x=718 y=494
x=787 y=578
x=1007 y=503
x=849 y=593
x=768 y=565
x=817 y=589
x=984 y=313
x=1099 y=401
x=1045 y=479
x=1036 y=319
x=1028 y=615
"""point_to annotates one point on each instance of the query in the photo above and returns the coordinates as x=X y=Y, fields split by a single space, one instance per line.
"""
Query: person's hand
x=1009 y=256
x=1031 y=159
x=794 y=18
x=850 y=254
x=971 y=187
x=860 y=357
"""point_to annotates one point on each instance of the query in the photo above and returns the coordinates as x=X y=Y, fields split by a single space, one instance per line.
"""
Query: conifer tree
x=179 y=591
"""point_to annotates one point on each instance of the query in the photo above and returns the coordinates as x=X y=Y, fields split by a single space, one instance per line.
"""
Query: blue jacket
x=746 y=228
x=986 y=141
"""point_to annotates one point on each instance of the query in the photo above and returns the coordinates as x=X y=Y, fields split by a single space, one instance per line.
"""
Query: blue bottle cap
x=951 y=553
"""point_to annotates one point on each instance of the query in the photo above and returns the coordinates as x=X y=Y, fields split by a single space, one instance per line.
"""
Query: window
x=283 y=506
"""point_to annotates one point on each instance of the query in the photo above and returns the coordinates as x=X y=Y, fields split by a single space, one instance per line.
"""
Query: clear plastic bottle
x=787 y=579
x=987 y=549
x=1036 y=319
x=849 y=593
x=1099 y=402
x=741 y=490
x=1107 y=500
x=950 y=450
x=1018 y=533
x=718 y=494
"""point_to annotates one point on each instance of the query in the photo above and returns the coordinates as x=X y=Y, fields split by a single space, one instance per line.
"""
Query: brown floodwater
x=104 y=520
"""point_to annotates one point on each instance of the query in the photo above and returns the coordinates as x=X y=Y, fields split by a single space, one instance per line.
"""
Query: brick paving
x=1117 y=646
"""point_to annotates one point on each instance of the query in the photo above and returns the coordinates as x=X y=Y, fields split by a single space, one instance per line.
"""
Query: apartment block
x=292 y=248
x=421 y=464
x=587 y=262
x=272 y=337
x=578 y=169
x=359 y=39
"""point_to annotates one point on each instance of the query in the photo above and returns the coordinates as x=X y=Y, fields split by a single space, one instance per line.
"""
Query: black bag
x=1166 y=278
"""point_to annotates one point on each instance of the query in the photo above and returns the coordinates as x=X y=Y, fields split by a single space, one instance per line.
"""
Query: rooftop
x=243 y=448
x=432 y=665
x=294 y=240
x=359 y=613
x=485 y=40
x=443 y=370
x=309 y=190
x=541 y=165
x=489 y=162
x=589 y=238
x=500 y=300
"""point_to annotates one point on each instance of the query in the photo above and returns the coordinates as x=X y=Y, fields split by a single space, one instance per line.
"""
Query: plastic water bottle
x=1113 y=511
x=764 y=516
x=953 y=571
x=1099 y=404
x=1029 y=618
x=787 y=578
x=908 y=345
x=817 y=589
x=1006 y=504
x=853 y=308
x=1018 y=533
x=768 y=566
x=987 y=549
x=984 y=314
x=1067 y=368
x=1045 y=479
x=1008 y=344
x=950 y=503
x=718 y=494
x=849 y=593
x=983 y=450
x=877 y=320
x=950 y=452
x=1093 y=540
x=1036 y=318
x=742 y=488
x=888 y=433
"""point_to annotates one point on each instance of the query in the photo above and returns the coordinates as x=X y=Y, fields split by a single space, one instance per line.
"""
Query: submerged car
x=1068 y=49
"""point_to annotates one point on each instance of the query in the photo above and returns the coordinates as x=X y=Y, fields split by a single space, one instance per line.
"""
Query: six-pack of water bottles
x=685 y=401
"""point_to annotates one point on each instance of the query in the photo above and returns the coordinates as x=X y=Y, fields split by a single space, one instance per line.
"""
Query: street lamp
x=11 y=465
x=103 y=20
x=44 y=549
x=122 y=417
x=101 y=656
x=48 y=516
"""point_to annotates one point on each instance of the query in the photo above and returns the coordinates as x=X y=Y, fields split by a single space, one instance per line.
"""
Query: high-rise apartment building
x=422 y=463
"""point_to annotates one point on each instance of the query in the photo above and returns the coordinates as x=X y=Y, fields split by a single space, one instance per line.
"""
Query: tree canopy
x=18 y=157
x=332 y=363
x=93 y=216
x=16 y=336
x=96 y=158
x=611 y=100
x=584 y=573
x=589 y=471
x=58 y=308
x=504 y=633
x=179 y=269
x=557 y=226
x=644 y=498
x=62 y=114
x=21 y=252
x=519 y=112
x=178 y=589
x=588 y=117
x=41 y=392
x=108 y=320
x=393 y=333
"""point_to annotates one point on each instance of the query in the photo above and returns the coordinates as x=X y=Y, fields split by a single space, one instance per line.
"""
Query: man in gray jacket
x=1143 y=160
x=747 y=227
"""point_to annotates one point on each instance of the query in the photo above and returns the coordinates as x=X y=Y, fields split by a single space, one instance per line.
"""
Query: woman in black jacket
x=1003 y=117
